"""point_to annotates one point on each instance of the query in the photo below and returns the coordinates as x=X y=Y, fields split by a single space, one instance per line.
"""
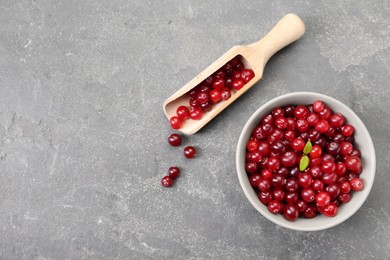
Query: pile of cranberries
x=174 y=171
x=217 y=87
x=301 y=161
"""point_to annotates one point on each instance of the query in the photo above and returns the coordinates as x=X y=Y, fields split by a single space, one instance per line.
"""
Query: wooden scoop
x=255 y=56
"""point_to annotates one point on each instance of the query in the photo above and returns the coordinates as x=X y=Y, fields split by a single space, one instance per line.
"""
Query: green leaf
x=307 y=148
x=303 y=163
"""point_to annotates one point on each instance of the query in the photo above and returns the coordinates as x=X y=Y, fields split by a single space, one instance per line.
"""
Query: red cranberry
x=252 y=146
x=328 y=157
x=325 y=114
x=291 y=185
x=289 y=135
x=278 y=112
x=318 y=106
x=281 y=122
x=254 y=179
x=278 y=148
x=273 y=163
x=345 y=187
x=346 y=148
x=329 y=178
x=251 y=167
x=298 y=144
x=357 y=184
x=202 y=97
x=289 y=159
x=347 y=130
x=268 y=119
x=331 y=132
x=175 y=122
x=289 y=111
x=321 y=141
x=313 y=135
x=265 y=197
x=312 y=119
x=167 y=181
x=267 y=129
x=220 y=74
x=194 y=103
x=353 y=164
x=340 y=168
x=304 y=179
x=322 y=198
x=316 y=151
x=205 y=89
x=225 y=94
x=206 y=106
x=294 y=171
x=291 y=123
x=196 y=113
x=278 y=194
x=247 y=75
x=302 y=206
x=283 y=171
x=266 y=174
x=215 y=95
x=337 y=120
x=238 y=84
x=308 y=194
x=315 y=161
x=344 y=197
x=330 y=210
x=301 y=112
x=333 y=190
x=356 y=152
x=183 y=112
x=275 y=207
x=328 y=166
x=322 y=126
x=302 y=125
x=310 y=211
x=333 y=148
x=278 y=181
x=264 y=148
x=174 y=139
x=173 y=172
x=193 y=92
x=291 y=197
x=189 y=152
x=264 y=185
x=255 y=156
x=218 y=83
x=315 y=172
x=290 y=212
x=318 y=185
x=339 y=138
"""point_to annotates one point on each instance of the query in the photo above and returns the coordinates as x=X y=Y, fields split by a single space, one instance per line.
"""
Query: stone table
x=83 y=136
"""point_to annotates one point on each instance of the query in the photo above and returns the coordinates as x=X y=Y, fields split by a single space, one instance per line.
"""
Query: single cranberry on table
x=167 y=181
x=174 y=172
x=174 y=139
x=189 y=152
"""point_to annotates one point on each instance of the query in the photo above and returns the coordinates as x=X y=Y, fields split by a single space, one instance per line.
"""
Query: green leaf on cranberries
x=304 y=163
x=307 y=148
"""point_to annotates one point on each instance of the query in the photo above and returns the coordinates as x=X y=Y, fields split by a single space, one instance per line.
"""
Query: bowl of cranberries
x=305 y=161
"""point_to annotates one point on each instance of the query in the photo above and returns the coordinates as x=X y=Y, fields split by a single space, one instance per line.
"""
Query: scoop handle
x=289 y=29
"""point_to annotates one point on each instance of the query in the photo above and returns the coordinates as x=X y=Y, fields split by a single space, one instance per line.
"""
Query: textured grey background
x=83 y=137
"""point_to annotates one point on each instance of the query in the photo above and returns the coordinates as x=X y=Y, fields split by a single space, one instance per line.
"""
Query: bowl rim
x=260 y=207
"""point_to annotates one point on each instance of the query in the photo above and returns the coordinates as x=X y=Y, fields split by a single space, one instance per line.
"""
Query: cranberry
x=278 y=181
x=205 y=89
x=254 y=179
x=189 y=152
x=339 y=138
x=333 y=190
x=330 y=210
x=251 y=167
x=289 y=159
x=346 y=148
x=247 y=75
x=302 y=205
x=273 y=163
x=196 y=113
x=329 y=178
x=298 y=144
x=312 y=119
x=238 y=84
x=322 y=126
x=322 y=198
x=315 y=161
x=173 y=172
x=304 y=179
x=283 y=171
x=278 y=148
x=315 y=172
x=313 y=135
x=193 y=92
x=206 y=106
x=264 y=148
x=291 y=123
x=275 y=207
x=340 y=168
x=267 y=129
x=318 y=185
x=316 y=151
x=278 y=112
x=167 y=181
x=194 y=103
x=208 y=81
x=302 y=125
x=292 y=185
x=344 y=197
x=337 y=120
x=289 y=135
x=328 y=157
x=308 y=194
x=289 y=111
x=328 y=166
x=215 y=95
x=225 y=94
x=357 y=184
x=176 y=122
x=345 y=187
x=318 y=106
x=278 y=194
x=183 y=112
x=356 y=152
x=310 y=211
x=325 y=114
x=301 y=112
x=265 y=197
x=321 y=141
x=218 y=83
x=291 y=197
x=252 y=146
x=333 y=148
x=290 y=212
x=353 y=164
x=281 y=122
x=266 y=174
x=347 y=130
x=174 y=139
x=256 y=156
x=228 y=82
x=294 y=171
x=268 y=119
x=264 y=185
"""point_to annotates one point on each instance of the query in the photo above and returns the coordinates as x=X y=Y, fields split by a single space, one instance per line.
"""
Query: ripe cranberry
x=344 y=197
x=208 y=81
x=291 y=197
x=328 y=157
x=202 y=97
x=357 y=184
x=236 y=75
x=337 y=120
x=247 y=75
x=267 y=129
x=189 y=152
x=289 y=135
x=294 y=171
x=298 y=144
x=290 y=212
x=310 y=211
x=331 y=132
x=276 y=134
x=183 y=112
x=174 y=139
x=316 y=151
x=278 y=181
x=196 y=113
x=251 y=167
x=264 y=148
x=339 y=138
x=322 y=198
x=225 y=94
x=167 y=181
x=315 y=161
x=333 y=190
x=254 y=179
x=291 y=123
x=275 y=207
x=193 y=92
x=333 y=148
x=252 y=146
x=325 y=114
x=278 y=194
x=304 y=179
x=302 y=206
x=328 y=166
x=268 y=119
x=278 y=112
x=340 y=168
x=265 y=197
x=329 y=178
x=173 y=172
x=318 y=185
x=312 y=119
x=353 y=164
x=301 y=112
x=263 y=163
x=313 y=135
x=291 y=185
x=215 y=95
x=220 y=74
x=206 y=106
x=194 y=103
x=308 y=194
x=330 y=210
x=218 y=83
x=205 y=89
x=176 y=122
x=229 y=82
x=302 y=125
x=351 y=176
x=322 y=126
x=238 y=84
x=356 y=152
x=289 y=159
x=315 y=171
x=273 y=163
x=345 y=187
x=347 y=130
x=318 y=106
x=346 y=148
x=321 y=141
x=281 y=122
x=289 y=111
x=266 y=174
x=350 y=139
x=264 y=185
x=283 y=171
x=278 y=148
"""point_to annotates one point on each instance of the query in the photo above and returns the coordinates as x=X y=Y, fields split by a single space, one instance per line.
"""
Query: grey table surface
x=83 y=136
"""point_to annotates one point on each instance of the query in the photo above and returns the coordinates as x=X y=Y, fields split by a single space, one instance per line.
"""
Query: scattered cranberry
x=167 y=181
x=173 y=172
x=174 y=139
x=189 y=152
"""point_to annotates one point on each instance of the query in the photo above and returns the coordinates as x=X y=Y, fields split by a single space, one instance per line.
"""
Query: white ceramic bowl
x=362 y=140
